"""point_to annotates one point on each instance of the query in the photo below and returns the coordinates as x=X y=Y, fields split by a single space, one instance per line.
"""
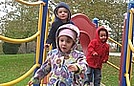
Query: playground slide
x=87 y=30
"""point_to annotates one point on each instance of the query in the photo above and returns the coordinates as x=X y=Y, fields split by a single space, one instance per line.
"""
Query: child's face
x=62 y=13
x=103 y=36
x=65 y=43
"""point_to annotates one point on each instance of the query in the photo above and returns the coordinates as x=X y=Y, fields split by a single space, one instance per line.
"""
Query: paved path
x=102 y=84
x=114 y=54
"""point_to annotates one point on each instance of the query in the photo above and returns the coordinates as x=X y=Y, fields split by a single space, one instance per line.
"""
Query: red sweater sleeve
x=90 y=49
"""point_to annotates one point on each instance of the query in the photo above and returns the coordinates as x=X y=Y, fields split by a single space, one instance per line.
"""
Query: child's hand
x=95 y=54
x=46 y=45
x=30 y=82
x=104 y=61
x=72 y=68
x=33 y=81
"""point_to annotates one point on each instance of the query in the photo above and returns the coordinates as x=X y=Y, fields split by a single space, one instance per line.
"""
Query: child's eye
x=61 y=40
x=68 y=41
x=103 y=36
x=60 y=11
x=66 y=11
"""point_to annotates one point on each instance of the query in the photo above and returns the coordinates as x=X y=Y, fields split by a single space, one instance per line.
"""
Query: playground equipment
x=127 y=49
x=39 y=35
x=87 y=30
x=127 y=46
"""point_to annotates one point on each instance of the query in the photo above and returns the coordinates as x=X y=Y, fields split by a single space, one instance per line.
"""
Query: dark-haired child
x=98 y=53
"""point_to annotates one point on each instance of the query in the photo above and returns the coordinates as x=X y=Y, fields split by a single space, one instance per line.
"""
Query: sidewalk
x=114 y=54
x=102 y=84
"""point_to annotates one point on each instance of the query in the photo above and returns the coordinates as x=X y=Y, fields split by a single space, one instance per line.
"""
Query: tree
x=109 y=12
x=21 y=22
x=9 y=48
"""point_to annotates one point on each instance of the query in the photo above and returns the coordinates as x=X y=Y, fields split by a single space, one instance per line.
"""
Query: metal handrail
x=114 y=41
x=18 y=41
x=113 y=65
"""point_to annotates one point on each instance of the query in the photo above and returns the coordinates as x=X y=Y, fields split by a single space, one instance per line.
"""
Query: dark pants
x=93 y=75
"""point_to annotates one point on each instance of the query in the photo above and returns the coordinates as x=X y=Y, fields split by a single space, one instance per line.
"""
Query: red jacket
x=101 y=48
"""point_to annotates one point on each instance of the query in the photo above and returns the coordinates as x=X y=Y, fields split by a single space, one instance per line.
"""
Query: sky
x=1 y=8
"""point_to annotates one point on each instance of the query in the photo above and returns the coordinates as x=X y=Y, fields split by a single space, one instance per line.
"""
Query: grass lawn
x=110 y=75
x=13 y=66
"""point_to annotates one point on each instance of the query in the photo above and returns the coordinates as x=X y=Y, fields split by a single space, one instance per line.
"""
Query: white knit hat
x=68 y=30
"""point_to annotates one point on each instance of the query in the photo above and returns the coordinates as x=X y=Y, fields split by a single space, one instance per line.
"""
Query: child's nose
x=62 y=12
x=64 y=43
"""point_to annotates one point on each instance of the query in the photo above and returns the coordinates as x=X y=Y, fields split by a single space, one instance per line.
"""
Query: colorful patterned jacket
x=56 y=64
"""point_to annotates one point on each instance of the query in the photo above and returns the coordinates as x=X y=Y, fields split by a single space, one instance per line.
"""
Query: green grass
x=110 y=75
x=14 y=66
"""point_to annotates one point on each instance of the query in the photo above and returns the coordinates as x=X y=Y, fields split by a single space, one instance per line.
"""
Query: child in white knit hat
x=65 y=64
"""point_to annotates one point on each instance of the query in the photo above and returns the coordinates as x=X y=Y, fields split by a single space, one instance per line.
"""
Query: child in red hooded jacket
x=98 y=53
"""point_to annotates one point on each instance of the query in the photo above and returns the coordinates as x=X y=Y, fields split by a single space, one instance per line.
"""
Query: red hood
x=97 y=33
